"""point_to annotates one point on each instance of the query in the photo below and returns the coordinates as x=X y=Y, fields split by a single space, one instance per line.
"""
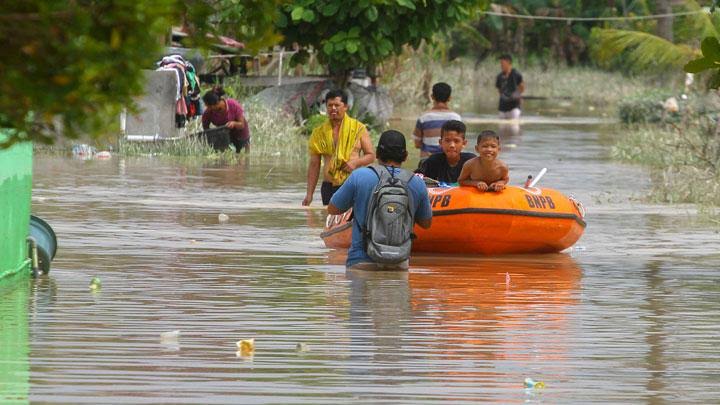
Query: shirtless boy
x=486 y=172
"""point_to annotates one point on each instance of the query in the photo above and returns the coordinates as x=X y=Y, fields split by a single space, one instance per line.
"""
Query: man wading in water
x=338 y=141
x=510 y=86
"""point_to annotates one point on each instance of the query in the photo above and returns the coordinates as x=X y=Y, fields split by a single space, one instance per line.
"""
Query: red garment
x=233 y=112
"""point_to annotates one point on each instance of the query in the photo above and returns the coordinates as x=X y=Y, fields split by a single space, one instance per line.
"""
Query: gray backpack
x=390 y=217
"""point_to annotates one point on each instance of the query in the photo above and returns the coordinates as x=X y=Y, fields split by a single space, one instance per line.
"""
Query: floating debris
x=95 y=284
x=169 y=337
x=222 y=218
x=530 y=383
x=103 y=155
x=302 y=347
x=246 y=347
x=83 y=150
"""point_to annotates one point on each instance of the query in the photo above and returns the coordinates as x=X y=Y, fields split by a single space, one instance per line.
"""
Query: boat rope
x=616 y=18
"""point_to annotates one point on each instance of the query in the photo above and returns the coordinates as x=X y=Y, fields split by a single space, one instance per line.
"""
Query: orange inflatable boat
x=465 y=220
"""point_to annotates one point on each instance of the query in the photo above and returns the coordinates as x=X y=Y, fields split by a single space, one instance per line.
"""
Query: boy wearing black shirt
x=446 y=166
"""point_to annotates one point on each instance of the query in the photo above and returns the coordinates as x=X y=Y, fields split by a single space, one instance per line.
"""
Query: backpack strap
x=405 y=176
x=377 y=169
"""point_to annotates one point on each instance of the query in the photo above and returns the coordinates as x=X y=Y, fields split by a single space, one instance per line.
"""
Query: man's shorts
x=510 y=115
x=326 y=191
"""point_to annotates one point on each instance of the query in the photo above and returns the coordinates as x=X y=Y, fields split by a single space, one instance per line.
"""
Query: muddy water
x=630 y=314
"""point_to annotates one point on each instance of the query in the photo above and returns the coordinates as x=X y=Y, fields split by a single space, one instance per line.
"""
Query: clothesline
x=618 y=18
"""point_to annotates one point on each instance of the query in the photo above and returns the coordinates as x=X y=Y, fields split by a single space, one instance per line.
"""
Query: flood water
x=630 y=314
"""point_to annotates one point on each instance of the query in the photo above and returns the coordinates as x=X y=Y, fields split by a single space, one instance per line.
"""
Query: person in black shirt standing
x=510 y=86
x=446 y=166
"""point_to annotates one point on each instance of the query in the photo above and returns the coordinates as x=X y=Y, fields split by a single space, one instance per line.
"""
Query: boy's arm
x=500 y=184
x=464 y=177
x=418 y=135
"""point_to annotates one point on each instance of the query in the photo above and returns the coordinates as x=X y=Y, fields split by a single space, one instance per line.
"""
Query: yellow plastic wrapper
x=530 y=383
x=246 y=346
x=95 y=284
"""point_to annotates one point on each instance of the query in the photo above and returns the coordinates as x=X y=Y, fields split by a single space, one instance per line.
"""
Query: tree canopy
x=70 y=67
x=361 y=33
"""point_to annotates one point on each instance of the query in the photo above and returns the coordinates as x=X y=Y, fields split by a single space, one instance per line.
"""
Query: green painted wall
x=15 y=199
x=14 y=336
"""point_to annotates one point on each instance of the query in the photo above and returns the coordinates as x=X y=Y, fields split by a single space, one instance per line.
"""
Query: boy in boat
x=486 y=172
x=427 y=128
x=446 y=166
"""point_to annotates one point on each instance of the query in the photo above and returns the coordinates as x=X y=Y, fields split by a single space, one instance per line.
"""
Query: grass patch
x=273 y=134
x=685 y=160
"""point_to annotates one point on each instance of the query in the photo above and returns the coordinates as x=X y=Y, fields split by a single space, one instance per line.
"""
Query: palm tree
x=643 y=51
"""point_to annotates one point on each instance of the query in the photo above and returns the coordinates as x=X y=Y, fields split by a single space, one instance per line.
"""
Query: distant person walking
x=510 y=87
x=339 y=142
x=222 y=111
x=429 y=124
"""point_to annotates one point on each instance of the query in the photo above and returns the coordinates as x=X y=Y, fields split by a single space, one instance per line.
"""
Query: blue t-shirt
x=356 y=193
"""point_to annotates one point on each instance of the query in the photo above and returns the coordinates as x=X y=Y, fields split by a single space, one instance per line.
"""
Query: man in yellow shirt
x=339 y=141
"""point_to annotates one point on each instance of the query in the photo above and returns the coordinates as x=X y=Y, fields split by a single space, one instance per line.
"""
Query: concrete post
x=156 y=108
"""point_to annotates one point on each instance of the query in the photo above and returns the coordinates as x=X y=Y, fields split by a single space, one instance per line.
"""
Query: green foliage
x=685 y=159
x=190 y=146
x=312 y=122
x=251 y=21
x=640 y=51
x=362 y=33
x=710 y=60
x=551 y=41
x=70 y=67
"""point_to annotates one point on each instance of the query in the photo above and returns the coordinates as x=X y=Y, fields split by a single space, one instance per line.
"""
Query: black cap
x=392 y=141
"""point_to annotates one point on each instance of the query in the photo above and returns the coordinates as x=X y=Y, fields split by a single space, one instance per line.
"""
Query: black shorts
x=326 y=191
